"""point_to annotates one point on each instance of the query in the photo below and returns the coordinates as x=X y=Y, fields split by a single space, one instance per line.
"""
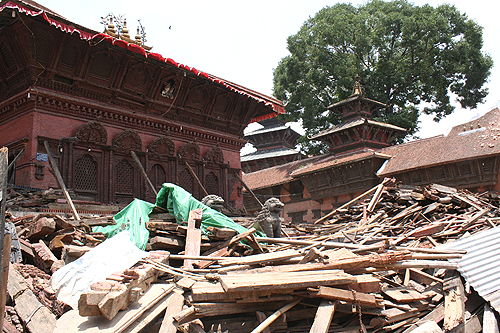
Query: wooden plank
x=193 y=237
x=70 y=320
x=347 y=296
x=169 y=325
x=7 y=240
x=490 y=324
x=404 y=295
x=436 y=315
x=150 y=315
x=264 y=258
x=454 y=303
x=289 y=280
x=323 y=317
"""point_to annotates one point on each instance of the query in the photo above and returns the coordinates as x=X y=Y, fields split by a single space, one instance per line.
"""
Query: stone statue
x=213 y=201
x=269 y=217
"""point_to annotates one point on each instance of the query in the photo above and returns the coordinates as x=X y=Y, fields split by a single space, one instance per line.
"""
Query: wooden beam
x=323 y=317
x=134 y=156
x=60 y=180
x=169 y=325
x=248 y=189
x=11 y=164
x=454 y=303
x=490 y=324
x=359 y=197
x=195 y=177
x=193 y=237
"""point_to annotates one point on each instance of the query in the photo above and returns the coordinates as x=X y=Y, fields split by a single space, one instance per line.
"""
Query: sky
x=243 y=41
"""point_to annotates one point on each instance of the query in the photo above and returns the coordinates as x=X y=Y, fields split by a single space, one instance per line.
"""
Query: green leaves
x=408 y=56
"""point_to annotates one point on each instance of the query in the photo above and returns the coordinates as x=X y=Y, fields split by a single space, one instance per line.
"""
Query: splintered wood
x=374 y=264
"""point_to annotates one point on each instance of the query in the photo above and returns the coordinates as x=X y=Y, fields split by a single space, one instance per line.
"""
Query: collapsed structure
x=363 y=153
x=94 y=98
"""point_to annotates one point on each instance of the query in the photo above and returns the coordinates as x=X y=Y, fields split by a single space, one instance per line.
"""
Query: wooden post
x=134 y=156
x=248 y=189
x=7 y=241
x=60 y=180
x=195 y=177
x=4 y=160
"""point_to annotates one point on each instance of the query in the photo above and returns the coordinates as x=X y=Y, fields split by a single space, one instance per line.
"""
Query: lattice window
x=86 y=173
x=124 y=177
x=69 y=56
x=43 y=44
x=186 y=180
x=158 y=176
x=101 y=65
x=212 y=183
x=8 y=57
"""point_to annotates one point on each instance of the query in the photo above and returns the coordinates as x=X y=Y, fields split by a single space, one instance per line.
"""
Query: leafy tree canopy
x=410 y=57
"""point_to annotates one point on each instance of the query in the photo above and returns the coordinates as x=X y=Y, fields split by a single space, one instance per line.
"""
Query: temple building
x=94 y=97
x=275 y=144
x=363 y=152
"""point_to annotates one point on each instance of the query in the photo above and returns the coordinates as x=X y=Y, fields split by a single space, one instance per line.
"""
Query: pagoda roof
x=34 y=9
x=355 y=123
x=267 y=153
x=354 y=98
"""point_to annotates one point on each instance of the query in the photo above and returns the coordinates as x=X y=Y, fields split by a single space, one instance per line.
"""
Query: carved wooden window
x=69 y=56
x=8 y=57
x=158 y=176
x=101 y=65
x=486 y=165
x=465 y=169
x=124 y=177
x=86 y=173
x=43 y=44
x=186 y=180
x=212 y=183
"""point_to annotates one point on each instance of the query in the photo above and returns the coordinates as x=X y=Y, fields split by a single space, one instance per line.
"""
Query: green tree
x=412 y=58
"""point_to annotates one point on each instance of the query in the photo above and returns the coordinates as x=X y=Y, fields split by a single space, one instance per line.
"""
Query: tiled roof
x=276 y=175
x=332 y=161
x=354 y=123
x=476 y=138
x=262 y=154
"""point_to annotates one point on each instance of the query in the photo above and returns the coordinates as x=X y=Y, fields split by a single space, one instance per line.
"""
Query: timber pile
x=372 y=265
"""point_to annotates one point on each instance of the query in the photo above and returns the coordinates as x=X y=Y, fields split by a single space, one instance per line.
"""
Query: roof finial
x=357 y=87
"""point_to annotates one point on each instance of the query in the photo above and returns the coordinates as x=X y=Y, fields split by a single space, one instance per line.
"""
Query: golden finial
x=357 y=87
x=125 y=30
x=138 y=38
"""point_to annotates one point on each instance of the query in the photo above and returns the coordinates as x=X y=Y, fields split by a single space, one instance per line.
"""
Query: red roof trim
x=276 y=105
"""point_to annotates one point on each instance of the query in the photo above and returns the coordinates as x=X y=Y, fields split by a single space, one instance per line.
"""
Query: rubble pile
x=379 y=263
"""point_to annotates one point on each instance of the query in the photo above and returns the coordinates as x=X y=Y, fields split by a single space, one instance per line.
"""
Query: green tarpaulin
x=178 y=202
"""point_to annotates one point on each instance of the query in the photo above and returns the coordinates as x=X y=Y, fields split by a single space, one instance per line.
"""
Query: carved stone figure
x=213 y=201
x=269 y=217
